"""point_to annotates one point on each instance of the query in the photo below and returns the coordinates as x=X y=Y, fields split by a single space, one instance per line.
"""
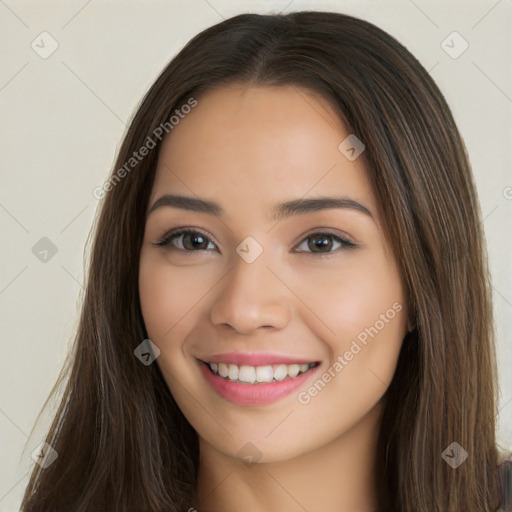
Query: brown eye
x=193 y=241
x=190 y=240
x=318 y=242
x=323 y=243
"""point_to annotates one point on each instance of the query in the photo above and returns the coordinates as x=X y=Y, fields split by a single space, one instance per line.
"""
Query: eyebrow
x=278 y=211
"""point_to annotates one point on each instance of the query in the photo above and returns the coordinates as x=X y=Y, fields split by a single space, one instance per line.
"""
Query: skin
x=249 y=147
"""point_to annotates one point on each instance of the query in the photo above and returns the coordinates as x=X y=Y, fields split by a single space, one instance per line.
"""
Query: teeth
x=293 y=370
x=264 y=374
x=247 y=374
x=252 y=374
x=223 y=370
x=281 y=372
x=233 y=372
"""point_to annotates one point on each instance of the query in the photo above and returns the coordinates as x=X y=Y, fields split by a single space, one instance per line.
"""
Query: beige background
x=63 y=117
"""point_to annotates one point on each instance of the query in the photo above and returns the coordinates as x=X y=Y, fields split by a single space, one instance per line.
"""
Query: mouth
x=248 y=385
x=259 y=374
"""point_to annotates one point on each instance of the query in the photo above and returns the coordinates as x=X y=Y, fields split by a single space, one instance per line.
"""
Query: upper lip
x=256 y=359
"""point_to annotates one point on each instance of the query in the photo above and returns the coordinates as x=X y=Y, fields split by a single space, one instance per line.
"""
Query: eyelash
x=168 y=237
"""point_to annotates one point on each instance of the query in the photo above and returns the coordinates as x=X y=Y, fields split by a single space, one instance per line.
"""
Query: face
x=267 y=317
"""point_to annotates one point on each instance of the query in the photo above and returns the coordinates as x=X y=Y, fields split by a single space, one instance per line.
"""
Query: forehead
x=259 y=144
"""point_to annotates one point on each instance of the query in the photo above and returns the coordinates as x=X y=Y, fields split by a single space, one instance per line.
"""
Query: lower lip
x=263 y=393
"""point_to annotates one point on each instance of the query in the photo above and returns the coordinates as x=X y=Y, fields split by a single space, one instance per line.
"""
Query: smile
x=258 y=374
x=244 y=384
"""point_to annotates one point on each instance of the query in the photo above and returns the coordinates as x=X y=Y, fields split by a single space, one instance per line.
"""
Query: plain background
x=63 y=118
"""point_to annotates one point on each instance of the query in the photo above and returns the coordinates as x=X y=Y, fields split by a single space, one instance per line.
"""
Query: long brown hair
x=122 y=442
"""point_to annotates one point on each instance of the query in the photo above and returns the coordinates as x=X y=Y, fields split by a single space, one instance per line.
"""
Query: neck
x=339 y=475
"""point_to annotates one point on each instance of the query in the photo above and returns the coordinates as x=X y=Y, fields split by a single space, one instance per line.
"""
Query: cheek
x=168 y=295
x=362 y=308
x=353 y=295
x=365 y=308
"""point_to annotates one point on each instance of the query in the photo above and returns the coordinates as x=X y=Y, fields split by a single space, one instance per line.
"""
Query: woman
x=287 y=305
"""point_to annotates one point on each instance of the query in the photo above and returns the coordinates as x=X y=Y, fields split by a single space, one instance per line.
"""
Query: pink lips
x=263 y=393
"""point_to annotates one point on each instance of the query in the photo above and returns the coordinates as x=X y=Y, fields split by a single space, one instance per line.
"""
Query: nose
x=251 y=297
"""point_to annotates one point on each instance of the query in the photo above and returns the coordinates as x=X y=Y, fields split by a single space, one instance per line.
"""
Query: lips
x=253 y=379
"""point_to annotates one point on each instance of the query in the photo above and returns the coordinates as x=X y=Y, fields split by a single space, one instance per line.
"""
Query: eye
x=190 y=240
x=319 y=241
